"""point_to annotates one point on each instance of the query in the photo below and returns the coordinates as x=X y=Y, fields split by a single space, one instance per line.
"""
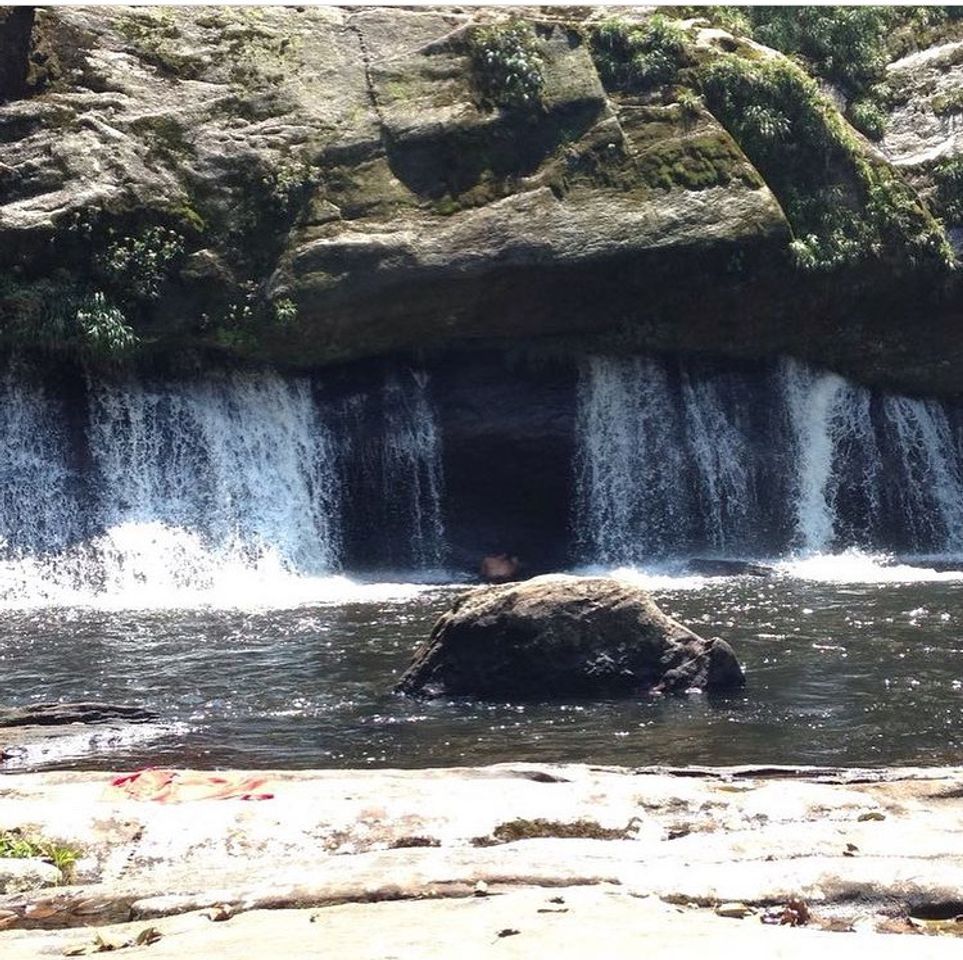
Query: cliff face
x=307 y=186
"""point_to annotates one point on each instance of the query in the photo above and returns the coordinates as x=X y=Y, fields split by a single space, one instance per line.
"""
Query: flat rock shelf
x=511 y=859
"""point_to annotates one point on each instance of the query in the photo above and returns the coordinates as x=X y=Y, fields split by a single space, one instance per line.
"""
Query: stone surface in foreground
x=649 y=852
x=563 y=636
x=577 y=923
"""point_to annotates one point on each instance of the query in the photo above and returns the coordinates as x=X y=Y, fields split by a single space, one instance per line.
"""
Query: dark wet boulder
x=561 y=636
x=714 y=567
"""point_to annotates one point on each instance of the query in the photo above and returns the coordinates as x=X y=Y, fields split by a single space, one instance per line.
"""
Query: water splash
x=205 y=491
x=855 y=566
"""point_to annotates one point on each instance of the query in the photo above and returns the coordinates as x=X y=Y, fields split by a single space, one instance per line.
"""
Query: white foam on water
x=657 y=577
x=854 y=566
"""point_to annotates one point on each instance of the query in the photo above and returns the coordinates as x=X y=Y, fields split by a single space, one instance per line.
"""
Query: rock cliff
x=306 y=186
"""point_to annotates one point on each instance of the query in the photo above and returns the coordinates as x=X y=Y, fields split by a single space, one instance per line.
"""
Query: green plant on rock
x=846 y=45
x=287 y=185
x=102 y=327
x=733 y=19
x=38 y=313
x=636 y=57
x=948 y=178
x=867 y=117
x=141 y=264
x=17 y=845
x=285 y=312
x=841 y=207
x=947 y=104
x=507 y=64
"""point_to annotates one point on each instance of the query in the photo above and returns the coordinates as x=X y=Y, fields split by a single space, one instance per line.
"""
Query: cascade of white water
x=829 y=417
x=717 y=436
x=930 y=484
x=39 y=490
x=660 y=471
x=411 y=475
x=630 y=487
x=221 y=487
x=205 y=476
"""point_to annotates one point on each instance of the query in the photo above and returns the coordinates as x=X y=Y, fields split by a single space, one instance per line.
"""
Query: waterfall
x=663 y=466
x=627 y=487
x=674 y=459
x=929 y=481
x=223 y=486
x=198 y=478
x=411 y=479
x=40 y=490
x=872 y=471
x=717 y=433
x=835 y=448
x=394 y=452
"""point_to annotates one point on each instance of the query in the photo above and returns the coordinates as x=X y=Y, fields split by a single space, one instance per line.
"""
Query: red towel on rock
x=178 y=786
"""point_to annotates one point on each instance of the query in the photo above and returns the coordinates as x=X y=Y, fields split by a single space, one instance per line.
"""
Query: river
x=861 y=666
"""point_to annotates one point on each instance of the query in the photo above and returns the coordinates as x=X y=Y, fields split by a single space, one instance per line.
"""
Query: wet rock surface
x=562 y=636
x=40 y=732
x=338 y=164
x=557 y=852
x=57 y=714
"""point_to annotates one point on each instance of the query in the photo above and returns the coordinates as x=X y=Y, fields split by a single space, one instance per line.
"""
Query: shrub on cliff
x=54 y=313
x=948 y=177
x=868 y=118
x=846 y=45
x=101 y=328
x=141 y=263
x=842 y=206
x=637 y=57
x=507 y=64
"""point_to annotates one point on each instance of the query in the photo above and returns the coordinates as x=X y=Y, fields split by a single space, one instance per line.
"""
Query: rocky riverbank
x=510 y=859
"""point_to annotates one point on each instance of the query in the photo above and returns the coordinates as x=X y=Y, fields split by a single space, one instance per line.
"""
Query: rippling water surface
x=843 y=673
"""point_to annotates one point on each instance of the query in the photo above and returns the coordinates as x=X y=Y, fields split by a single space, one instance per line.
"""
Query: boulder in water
x=563 y=636
x=714 y=567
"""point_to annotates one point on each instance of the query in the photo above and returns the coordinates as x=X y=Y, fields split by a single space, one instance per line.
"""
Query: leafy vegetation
x=733 y=19
x=868 y=118
x=142 y=263
x=846 y=45
x=842 y=207
x=947 y=104
x=17 y=845
x=55 y=313
x=285 y=312
x=948 y=177
x=637 y=57
x=507 y=64
x=101 y=327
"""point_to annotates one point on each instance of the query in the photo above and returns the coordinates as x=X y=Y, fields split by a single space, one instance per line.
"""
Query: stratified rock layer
x=338 y=168
x=561 y=636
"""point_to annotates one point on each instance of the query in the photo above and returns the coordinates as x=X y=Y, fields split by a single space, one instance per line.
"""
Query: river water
x=176 y=544
x=861 y=666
